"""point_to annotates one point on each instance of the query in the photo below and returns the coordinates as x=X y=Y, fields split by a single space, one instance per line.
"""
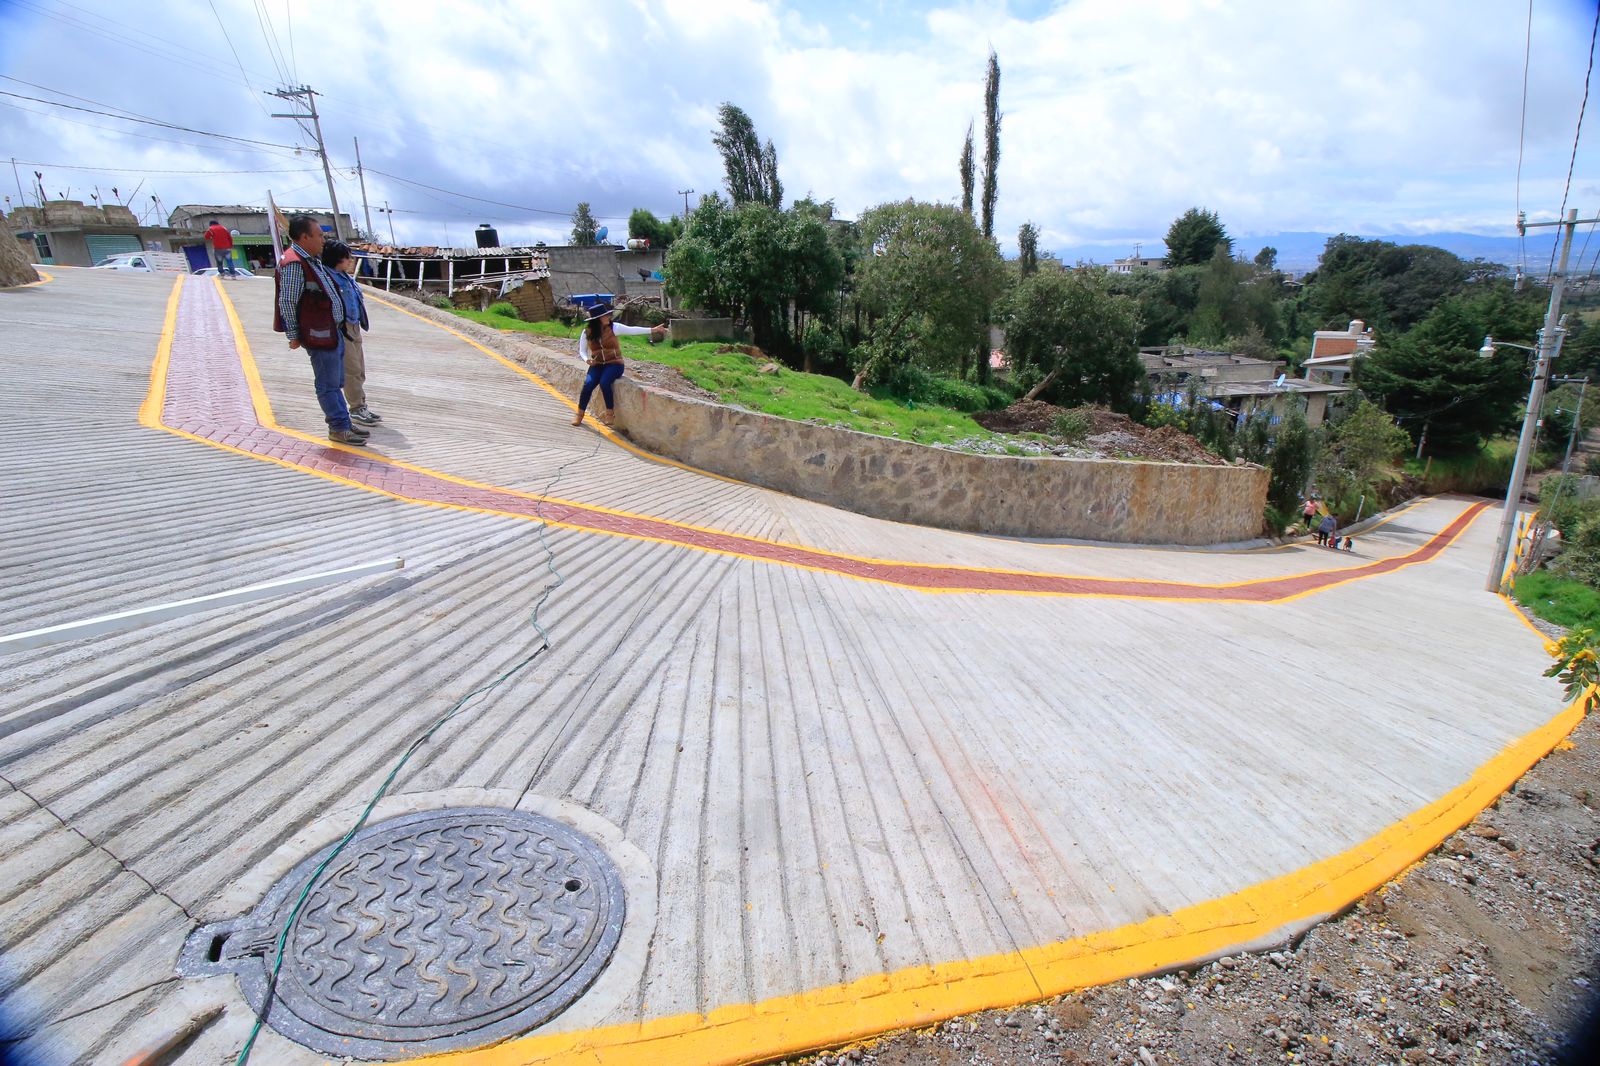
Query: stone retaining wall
x=1090 y=499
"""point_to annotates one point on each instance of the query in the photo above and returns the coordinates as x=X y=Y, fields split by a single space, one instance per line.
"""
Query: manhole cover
x=429 y=932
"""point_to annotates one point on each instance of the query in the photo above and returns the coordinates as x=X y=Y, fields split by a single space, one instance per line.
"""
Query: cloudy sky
x=1364 y=116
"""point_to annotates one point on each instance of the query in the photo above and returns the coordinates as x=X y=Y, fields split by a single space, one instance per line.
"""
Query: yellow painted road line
x=45 y=278
x=151 y=411
x=924 y=995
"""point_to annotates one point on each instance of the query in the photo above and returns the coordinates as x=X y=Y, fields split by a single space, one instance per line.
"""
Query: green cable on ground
x=544 y=645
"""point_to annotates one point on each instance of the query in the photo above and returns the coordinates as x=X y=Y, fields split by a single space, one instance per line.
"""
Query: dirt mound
x=1110 y=434
x=1024 y=416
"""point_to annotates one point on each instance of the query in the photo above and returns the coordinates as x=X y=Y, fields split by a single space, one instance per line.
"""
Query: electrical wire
x=485 y=200
x=149 y=121
x=459 y=706
x=1522 y=130
x=238 y=62
x=134 y=133
x=1577 y=135
x=283 y=75
x=140 y=170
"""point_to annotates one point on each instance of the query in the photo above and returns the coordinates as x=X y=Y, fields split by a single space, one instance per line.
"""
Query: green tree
x=755 y=264
x=751 y=171
x=1359 y=446
x=1292 y=458
x=991 y=190
x=1080 y=338
x=968 y=173
x=643 y=223
x=1389 y=286
x=1234 y=300
x=584 y=227
x=1267 y=258
x=1434 y=381
x=1027 y=248
x=1194 y=236
x=926 y=281
x=991 y=142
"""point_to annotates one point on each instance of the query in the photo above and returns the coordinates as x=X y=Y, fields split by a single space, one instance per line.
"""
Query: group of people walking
x=1327 y=529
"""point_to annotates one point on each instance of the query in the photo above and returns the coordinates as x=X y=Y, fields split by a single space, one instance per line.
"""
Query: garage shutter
x=106 y=245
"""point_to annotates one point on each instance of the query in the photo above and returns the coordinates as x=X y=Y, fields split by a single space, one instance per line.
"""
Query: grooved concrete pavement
x=825 y=778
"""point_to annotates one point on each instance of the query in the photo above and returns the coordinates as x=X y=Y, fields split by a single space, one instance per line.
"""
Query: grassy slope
x=736 y=379
x=1559 y=600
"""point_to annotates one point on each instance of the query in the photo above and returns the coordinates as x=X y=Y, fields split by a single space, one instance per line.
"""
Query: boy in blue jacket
x=338 y=258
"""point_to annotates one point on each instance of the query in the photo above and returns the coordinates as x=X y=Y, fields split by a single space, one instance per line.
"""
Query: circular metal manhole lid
x=429 y=932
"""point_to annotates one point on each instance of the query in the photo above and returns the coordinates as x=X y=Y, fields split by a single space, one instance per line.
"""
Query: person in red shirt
x=222 y=245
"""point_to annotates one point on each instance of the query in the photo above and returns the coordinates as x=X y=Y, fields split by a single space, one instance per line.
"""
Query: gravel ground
x=1486 y=952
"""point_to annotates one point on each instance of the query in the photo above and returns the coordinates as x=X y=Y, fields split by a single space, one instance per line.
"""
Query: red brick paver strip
x=208 y=397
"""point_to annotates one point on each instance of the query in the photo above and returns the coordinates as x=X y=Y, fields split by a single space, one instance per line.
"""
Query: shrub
x=1580 y=552
x=1559 y=503
x=1073 y=425
x=917 y=385
x=1294 y=453
x=1591 y=466
x=1276 y=521
x=505 y=309
x=1577 y=665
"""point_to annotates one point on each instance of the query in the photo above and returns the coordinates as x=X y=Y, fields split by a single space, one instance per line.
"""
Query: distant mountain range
x=1298 y=252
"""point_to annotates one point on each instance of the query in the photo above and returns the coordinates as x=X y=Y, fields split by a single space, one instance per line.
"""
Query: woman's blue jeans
x=604 y=376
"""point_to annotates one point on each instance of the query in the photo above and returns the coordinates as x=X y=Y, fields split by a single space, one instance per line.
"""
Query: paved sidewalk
x=845 y=791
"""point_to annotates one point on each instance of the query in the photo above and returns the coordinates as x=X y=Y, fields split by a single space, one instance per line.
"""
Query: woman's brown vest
x=606 y=350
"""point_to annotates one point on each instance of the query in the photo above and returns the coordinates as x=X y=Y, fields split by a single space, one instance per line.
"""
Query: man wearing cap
x=598 y=346
x=222 y=248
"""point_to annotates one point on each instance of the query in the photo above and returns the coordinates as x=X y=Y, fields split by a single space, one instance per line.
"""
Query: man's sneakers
x=365 y=415
x=354 y=437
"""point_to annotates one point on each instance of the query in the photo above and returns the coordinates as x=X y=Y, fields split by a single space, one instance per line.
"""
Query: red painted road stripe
x=207 y=396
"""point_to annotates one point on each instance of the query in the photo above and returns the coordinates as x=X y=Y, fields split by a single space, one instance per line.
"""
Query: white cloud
x=1364 y=116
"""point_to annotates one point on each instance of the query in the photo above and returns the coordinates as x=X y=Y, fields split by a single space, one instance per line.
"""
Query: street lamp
x=1545 y=352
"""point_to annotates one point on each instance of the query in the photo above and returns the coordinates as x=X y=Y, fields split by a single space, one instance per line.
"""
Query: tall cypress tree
x=968 y=165
x=991 y=143
x=991 y=182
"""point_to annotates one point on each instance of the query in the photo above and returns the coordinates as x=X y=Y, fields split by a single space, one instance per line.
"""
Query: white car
x=243 y=272
x=146 y=262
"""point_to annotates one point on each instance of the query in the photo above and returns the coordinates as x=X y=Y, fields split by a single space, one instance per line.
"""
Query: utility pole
x=390 y=212
x=306 y=93
x=1549 y=346
x=363 y=176
x=685 y=194
x=21 y=199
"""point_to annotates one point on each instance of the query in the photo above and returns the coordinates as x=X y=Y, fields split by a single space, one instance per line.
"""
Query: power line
x=1522 y=130
x=264 y=20
x=148 y=121
x=237 y=61
x=209 y=69
x=1577 y=134
x=135 y=133
x=141 y=170
x=288 y=14
x=496 y=203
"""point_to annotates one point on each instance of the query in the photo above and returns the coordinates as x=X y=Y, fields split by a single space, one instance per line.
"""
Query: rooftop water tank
x=487 y=236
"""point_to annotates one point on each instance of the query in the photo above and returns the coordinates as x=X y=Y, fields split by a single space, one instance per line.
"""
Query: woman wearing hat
x=599 y=347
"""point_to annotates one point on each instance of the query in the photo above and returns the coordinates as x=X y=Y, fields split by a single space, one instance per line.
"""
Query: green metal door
x=103 y=246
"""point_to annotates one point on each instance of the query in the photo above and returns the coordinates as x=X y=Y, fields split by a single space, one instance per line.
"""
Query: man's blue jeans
x=225 y=262
x=327 y=369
